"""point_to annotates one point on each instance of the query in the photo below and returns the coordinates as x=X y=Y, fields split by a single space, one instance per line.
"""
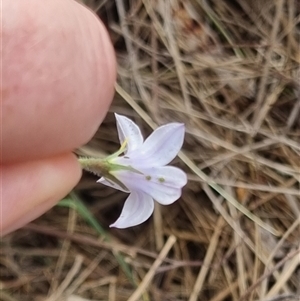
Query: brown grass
x=230 y=71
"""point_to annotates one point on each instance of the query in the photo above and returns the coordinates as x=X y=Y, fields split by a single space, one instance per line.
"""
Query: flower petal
x=161 y=146
x=137 y=208
x=111 y=184
x=162 y=183
x=128 y=130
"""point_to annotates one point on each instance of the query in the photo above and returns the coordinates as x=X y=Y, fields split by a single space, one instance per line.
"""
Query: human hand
x=58 y=73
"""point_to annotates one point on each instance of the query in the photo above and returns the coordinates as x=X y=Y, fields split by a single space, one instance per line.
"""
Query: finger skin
x=58 y=74
x=29 y=189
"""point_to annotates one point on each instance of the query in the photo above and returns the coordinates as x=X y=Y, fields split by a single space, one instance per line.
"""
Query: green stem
x=97 y=166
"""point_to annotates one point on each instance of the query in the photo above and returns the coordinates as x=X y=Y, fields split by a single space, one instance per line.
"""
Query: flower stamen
x=161 y=180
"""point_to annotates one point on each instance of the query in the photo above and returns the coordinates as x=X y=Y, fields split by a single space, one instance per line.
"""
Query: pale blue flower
x=142 y=170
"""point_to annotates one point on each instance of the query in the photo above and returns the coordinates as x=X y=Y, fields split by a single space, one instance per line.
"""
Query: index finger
x=58 y=73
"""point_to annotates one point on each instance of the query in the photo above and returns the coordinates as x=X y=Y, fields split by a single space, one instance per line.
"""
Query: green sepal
x=105 y=168
x=111 y=167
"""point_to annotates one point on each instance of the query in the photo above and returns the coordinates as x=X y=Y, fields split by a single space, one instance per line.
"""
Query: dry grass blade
x=58 y=294
x=292 y=255
x=207 y=260
x=148 y=277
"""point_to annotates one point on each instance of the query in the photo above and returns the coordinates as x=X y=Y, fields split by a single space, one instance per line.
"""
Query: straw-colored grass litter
x=229 y=70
